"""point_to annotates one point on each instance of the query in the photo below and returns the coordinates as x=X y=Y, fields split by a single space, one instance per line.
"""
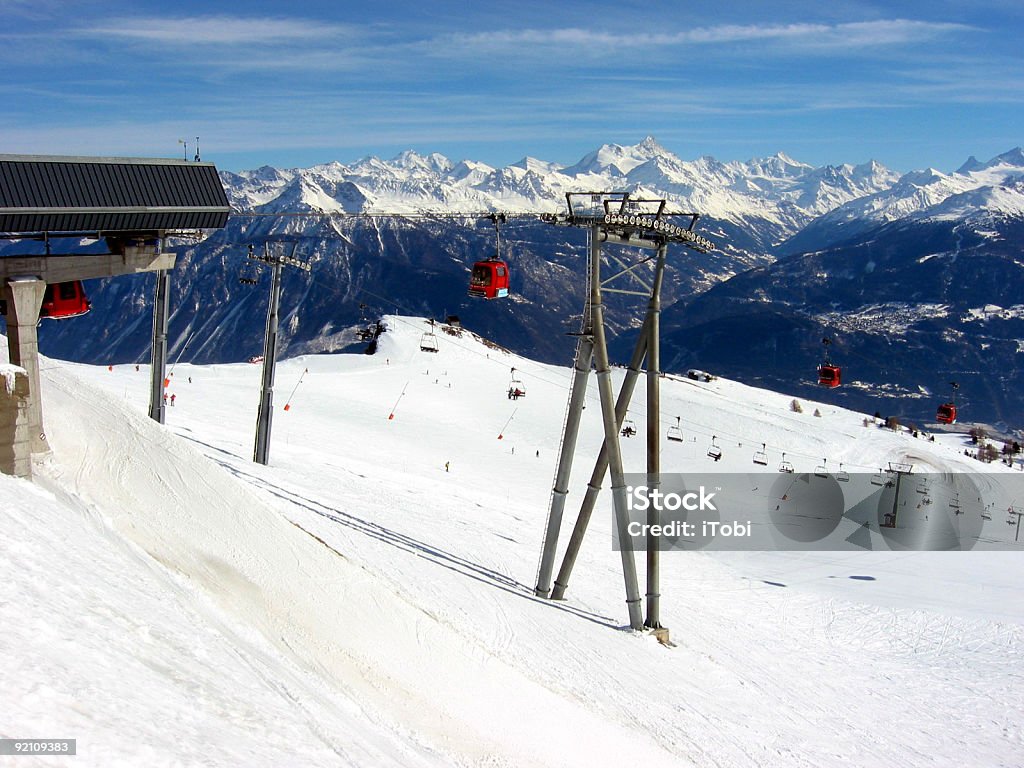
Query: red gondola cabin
x=489 y=279
x=946 y=413
x=64 y=300
x=829 y=375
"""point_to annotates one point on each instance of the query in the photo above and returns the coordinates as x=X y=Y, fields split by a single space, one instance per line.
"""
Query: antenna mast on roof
x=197 y=149
x=182 y=141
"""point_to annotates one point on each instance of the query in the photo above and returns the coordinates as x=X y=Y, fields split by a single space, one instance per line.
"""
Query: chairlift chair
x=822 y=469
x=761 y=457
x=428 y=342
x=64 y=300
x=516 y=388
x=842 y=475
x=675 y=433
x=879 y=478
x=922 y=485
x=714 y=451
x=249 y=274
x=785 y=466
x=628 y=428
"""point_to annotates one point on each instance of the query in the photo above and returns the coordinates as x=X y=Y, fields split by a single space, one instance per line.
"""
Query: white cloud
x=850 y=35
x=219 y=30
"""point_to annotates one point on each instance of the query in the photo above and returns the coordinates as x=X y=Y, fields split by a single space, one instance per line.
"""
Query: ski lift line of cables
x=454 y=342
x=355 y=215
x=696 y=428
x=537 y=374
x=708 y=430
x=593 y=397
x=892 y=365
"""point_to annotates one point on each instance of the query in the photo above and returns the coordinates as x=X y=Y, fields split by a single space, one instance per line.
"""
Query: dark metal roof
x=40 y=193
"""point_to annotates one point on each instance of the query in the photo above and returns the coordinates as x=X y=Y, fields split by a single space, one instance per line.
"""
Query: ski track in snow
x=355 y=604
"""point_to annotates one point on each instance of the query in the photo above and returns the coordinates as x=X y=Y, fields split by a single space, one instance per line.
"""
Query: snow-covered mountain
x=911 y=305
x=975 y=191
x=366 y=599
x=421 y=265
x=753 y=211
x=776 y=194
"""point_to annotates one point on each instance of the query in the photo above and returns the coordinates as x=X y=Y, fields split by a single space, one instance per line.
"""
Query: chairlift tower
x=614 y=218
x=277 y=262
x=1010 y=514
x=899 y=470
x=158 y=346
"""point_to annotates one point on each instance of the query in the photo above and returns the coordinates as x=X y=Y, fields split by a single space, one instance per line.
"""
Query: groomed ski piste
x=166 y=601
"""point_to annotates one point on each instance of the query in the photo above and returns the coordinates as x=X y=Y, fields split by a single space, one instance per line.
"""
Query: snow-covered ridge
x=930 y=194
x=776 y=192
x=778 y=189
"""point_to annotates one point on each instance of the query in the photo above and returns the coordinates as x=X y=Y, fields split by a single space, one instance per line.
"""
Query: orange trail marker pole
x=394 y=408
x=288 y=402
x=501 y=434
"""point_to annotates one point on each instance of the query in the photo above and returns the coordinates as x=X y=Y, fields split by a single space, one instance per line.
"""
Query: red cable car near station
x=489 y=278
x=947 y=411
x=64 y=300
x=829 y=375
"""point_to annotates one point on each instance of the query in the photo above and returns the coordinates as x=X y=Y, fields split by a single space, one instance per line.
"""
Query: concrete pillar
x=15 y=450
x=24 y=297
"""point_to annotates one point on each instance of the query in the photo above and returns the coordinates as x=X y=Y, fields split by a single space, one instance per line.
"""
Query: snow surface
x=166 y=601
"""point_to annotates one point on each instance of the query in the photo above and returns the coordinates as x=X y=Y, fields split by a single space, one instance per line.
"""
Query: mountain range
x=916 y=275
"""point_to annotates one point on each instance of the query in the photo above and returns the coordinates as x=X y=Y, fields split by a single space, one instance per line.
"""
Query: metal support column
x=266 y=411
x=653 y=620
x=600 y=469
x=158 y=347
x=615 y=218
x=570 y=432
x=611 y=436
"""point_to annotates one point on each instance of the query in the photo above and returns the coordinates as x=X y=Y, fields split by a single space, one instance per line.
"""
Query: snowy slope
x=354 y=603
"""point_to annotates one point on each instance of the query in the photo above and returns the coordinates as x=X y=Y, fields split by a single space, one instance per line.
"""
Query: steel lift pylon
x=614 y=219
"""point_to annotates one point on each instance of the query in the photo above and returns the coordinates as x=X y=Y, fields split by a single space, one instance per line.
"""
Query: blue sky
x=910 y=84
